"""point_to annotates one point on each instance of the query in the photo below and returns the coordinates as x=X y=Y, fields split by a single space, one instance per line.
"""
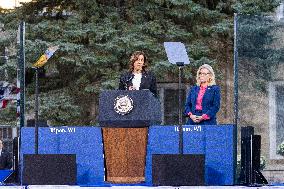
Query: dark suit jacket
x=5 y=160
x=148 y=81
x=210 y=104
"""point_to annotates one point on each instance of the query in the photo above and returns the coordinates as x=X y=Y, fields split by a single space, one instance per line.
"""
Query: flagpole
x=40 y=63
x=21 y=71
x=21 y=96
x=36 y=110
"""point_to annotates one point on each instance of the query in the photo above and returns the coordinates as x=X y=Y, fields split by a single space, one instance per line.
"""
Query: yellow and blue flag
x=43 y=59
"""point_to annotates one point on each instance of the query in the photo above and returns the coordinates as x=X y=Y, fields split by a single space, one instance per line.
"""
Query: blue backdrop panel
x=218 y=143
x=194 y=139
x=220 y=150
x=85 y=142
x=161 y=140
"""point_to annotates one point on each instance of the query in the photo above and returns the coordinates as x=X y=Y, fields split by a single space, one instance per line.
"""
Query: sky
x=9 y=4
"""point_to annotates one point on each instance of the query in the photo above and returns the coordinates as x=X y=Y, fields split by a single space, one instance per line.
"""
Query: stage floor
x=137 y=187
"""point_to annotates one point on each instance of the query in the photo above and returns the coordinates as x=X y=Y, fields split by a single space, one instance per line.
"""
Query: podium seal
x=123 y=104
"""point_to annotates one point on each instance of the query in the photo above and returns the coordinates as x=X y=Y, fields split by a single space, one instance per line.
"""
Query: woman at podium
x=203 y=101
x=138 y=77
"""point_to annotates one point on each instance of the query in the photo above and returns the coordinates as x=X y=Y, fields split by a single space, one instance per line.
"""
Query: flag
x=43 y=59
x=8 y=92
x=3 y=103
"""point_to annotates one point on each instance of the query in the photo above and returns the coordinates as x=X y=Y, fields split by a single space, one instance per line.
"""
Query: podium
x=125 y=117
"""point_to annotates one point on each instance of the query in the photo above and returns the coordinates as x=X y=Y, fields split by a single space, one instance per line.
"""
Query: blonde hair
x=211 y=80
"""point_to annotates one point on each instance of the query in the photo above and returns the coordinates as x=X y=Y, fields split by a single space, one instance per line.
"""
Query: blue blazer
x=210 y=104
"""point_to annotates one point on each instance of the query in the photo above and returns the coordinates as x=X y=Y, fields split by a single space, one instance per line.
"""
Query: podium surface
x=146 y=109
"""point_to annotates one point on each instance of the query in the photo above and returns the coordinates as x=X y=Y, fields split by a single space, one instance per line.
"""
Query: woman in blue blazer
x=203 y=101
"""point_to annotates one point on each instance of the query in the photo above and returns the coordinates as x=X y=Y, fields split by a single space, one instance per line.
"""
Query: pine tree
x=97 y=37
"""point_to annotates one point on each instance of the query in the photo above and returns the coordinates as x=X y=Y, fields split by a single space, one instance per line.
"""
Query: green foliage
x=280 y=149
x=58 y=107
x=8 y=115
x=256 y=47
x=256 y=7
x=97 y=37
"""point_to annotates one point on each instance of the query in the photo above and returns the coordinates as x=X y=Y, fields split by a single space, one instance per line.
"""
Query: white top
x=136 y=81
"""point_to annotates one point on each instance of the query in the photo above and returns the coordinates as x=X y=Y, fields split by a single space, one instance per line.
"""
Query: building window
x=168 y=94
x=276 y=117
x=7 y=134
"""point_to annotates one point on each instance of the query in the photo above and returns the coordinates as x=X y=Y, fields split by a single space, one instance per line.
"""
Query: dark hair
x=134 y=57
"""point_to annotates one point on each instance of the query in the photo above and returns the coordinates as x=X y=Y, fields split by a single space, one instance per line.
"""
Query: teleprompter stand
x=178 y=169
